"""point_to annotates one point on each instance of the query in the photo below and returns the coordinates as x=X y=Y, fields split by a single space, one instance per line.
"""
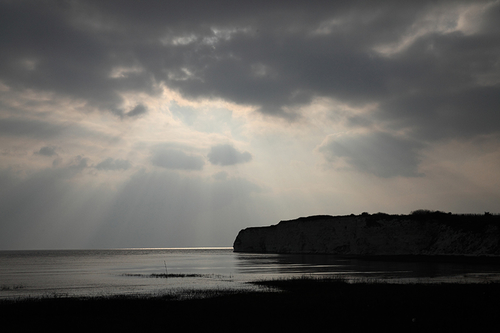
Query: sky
x=177 y=124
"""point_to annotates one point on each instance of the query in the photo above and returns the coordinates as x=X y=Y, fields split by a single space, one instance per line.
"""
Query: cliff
x=378 y=234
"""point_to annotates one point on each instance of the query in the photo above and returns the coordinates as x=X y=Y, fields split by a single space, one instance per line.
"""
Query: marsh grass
x=13 y=287
x=165 y=276
x=305 y=303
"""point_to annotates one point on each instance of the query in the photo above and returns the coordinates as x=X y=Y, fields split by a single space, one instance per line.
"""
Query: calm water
x=128 y=271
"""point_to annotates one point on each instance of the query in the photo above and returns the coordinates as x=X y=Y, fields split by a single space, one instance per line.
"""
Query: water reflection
x=350 y=267
x=283 y=264
x=123 y=271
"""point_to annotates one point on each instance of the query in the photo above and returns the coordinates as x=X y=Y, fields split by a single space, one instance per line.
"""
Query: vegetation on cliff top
x=466 y=222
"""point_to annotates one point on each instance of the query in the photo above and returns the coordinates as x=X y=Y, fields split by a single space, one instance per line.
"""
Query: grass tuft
x=164 y=276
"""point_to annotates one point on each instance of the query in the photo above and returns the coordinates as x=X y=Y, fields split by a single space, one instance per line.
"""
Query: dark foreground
x=305 y=305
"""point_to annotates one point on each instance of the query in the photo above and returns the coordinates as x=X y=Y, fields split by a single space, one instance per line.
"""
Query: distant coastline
x=422 y=233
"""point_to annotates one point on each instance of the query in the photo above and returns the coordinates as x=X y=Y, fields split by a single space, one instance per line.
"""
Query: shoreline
x=307 y=303
x=469 y=259
x=445 y=258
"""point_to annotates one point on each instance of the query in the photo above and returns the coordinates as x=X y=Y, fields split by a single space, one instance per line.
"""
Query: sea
x=177 y=272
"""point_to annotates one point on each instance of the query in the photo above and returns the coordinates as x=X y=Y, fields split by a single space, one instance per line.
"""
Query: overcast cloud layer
x=126 y=123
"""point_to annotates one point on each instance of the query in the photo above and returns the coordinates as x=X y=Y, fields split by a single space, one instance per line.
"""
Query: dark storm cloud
x=47 y=151
x=277 y=56
x=227 y=155
x=46 y=46
x=176 y=159
x=113 y=164
x=137 y=111
x=430 y=116
x=380 y=154
x=268 y=54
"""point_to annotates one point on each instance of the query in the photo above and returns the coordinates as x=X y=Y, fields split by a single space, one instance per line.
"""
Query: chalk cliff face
x=378 y=234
